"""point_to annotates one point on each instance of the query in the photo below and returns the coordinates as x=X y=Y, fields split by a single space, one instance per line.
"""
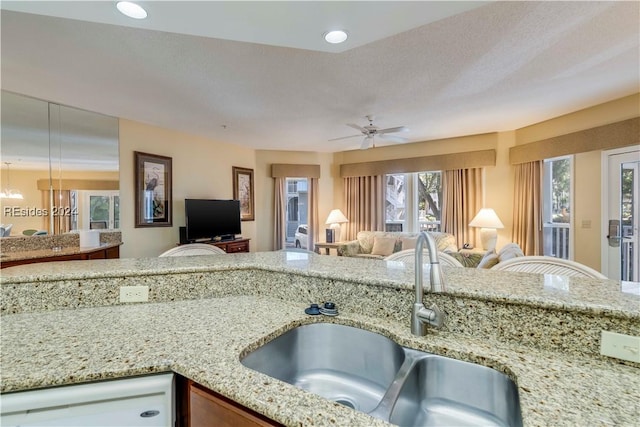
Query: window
x=413 y=201
x=556 y=206
x=395 y=205
x=101 y=209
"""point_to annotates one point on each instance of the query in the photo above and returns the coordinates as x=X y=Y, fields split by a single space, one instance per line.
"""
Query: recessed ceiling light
x=337 y=36
x=131 y=9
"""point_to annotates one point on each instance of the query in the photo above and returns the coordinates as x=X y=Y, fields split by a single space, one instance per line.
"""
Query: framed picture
x=153 y=190
x=243 y=191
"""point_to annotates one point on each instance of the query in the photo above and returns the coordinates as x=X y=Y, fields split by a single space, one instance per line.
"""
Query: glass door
x=296 y=227
x=621 y=257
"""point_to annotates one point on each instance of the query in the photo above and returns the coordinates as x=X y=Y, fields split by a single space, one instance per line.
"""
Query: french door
x=621 y=200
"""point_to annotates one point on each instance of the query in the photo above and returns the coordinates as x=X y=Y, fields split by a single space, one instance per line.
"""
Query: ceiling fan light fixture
x=132 y=10
x=336 y=36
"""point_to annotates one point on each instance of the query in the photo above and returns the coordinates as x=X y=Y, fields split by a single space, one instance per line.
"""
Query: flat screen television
x=209 y=219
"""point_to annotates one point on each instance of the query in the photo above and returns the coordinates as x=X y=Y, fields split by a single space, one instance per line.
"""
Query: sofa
x=379 y=244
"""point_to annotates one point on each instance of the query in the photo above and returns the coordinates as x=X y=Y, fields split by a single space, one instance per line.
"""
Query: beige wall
x=587 y=213
x=498 y=182
x=265 y=190
x=201 y=169
x=27 y=182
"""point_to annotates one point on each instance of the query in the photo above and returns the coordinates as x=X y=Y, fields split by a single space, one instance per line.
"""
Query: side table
x=327 y=247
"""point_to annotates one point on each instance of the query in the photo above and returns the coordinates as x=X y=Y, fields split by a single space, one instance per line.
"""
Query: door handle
x=614 y=236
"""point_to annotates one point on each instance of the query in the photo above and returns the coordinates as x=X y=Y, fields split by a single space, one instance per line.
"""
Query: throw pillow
x=408 y=243
x=383 y=246
x=509 y=251
x=489 y=260
x=467 y=260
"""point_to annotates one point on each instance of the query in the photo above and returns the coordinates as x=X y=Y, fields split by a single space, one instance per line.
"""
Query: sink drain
x=345 y=402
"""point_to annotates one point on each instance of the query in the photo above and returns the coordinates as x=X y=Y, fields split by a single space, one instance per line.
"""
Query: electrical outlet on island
x=134 y=293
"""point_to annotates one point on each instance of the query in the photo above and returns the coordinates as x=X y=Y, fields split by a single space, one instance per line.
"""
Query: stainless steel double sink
x=371 y=373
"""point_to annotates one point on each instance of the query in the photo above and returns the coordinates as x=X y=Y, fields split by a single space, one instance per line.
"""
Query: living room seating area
x=380 y=244
x=387 y=245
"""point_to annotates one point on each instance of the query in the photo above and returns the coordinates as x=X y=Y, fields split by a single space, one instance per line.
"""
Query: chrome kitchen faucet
x=422 y=316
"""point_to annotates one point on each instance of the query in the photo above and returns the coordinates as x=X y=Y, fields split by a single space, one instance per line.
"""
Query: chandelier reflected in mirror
x=9 y=193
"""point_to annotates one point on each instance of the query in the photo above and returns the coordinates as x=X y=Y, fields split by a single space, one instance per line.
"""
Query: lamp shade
x=336 y=217
x=486 y=218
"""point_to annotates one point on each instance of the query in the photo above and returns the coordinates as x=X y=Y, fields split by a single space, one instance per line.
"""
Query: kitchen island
x=63 y=325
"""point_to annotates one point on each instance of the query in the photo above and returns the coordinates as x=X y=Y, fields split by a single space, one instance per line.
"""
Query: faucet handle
x=439 y=316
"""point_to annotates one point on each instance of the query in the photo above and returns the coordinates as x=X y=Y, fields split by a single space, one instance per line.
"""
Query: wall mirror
x=60 y=168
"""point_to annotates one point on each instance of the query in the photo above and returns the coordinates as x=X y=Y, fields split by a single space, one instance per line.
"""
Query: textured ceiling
x=296 y=24
x=497 y=67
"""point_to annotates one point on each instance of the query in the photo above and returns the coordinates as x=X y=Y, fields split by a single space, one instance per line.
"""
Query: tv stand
x=232 y=246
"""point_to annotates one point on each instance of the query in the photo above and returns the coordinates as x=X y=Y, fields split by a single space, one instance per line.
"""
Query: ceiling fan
x=370 y=131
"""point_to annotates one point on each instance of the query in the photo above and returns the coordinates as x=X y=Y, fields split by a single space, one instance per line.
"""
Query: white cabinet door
x=144 y=401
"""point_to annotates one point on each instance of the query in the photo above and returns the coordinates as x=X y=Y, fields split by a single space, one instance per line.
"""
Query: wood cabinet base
x=111 y=252
x=233 y=246
x=200 y=407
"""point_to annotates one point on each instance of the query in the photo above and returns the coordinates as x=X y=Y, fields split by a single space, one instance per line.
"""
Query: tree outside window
x=556 y=205
x=413 y=201
x=429 y=200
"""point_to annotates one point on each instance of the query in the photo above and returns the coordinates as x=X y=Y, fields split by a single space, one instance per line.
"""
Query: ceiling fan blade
x=365 y=143
x=392 y=130
x=344 y=137
x=360 y=128
x=394 y=138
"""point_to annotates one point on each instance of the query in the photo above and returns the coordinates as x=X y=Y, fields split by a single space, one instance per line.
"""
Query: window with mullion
x=412 y=201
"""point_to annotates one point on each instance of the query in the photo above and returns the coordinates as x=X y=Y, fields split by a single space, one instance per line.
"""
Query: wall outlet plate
x=134 y=293
x=620 y=346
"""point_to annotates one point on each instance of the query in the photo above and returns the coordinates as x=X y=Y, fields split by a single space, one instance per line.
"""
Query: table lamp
x=488 y=222
x=336 y=217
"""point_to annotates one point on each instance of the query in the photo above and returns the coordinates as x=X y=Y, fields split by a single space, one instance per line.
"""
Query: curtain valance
x=465 y=160
x=283 y=170
x=606 y=137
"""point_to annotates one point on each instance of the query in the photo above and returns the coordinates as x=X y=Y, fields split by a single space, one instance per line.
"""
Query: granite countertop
x=51 y=253
x=556 y=292
x=205 y=339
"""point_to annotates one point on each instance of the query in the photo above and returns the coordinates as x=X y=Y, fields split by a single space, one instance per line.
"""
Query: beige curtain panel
x=279 y=207
x=462 y=193
x=61 y=207
x=527 y=207
x=364 y=203
x=313 y=223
